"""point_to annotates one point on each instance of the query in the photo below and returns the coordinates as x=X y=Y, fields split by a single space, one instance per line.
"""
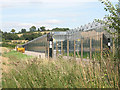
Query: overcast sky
x=20 y=14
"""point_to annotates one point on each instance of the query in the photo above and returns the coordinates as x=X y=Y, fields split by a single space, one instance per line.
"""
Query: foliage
x=60 y=29
x=33 y=29
x=30 y=36
x=13 y=30
x=113 y=22
x=16 y=56
x=42 y=28
x=38 y=29
x=1 y=36
x=1 y=31
x=8 y=45
x=60 y=73
x=23 y=30
x=9 y=36
x=26 y=36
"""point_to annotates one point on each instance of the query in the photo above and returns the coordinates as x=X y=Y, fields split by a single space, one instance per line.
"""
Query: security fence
x=86 y=41
x=37 y=45
x=83 y=47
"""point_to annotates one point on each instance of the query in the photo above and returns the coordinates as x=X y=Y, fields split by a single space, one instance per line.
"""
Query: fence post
x=67 y=48
x=74 y=50
x=61 y=47
x=101 y=45
x=56 y=48
x=101 y=50
x=81 y=49
x=113 y=46
x=90 y=48
x=48 y=50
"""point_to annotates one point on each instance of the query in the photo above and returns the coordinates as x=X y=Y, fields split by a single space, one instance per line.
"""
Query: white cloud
x=46 y=15
x=73 y=1
x=7 y=26
x=47 y=23
x=53 y=21
x=3 y=1
x=17 y=3
x=11 y=3
x=0 y=17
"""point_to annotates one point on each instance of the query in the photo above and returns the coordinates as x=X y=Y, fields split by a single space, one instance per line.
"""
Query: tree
x=13 y=30
x=42 y=28
x=60 y=29
x=1 y=31
x=38 y=29
x=30 y=36
x=9 y=36
x=113 y=21
x=33 y=29
x=1 y=35
x=23 y=30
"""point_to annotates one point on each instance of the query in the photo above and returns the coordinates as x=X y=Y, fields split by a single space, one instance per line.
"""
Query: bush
x=8 y=45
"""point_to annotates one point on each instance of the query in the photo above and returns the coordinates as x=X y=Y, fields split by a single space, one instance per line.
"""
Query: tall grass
x=61 y=73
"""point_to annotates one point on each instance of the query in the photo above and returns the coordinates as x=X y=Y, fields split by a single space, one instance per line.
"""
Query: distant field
x=22 y=71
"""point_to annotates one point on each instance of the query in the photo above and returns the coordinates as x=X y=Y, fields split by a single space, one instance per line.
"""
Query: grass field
x=30 y=72
x=16 y=56
x=85 y=54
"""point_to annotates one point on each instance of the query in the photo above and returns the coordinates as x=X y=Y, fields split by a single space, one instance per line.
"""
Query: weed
x=60 y=73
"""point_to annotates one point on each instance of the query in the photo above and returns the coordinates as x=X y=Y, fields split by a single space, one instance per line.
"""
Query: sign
x=50 y=44
x=78 y=40
x=53 y=39
x=108 y=43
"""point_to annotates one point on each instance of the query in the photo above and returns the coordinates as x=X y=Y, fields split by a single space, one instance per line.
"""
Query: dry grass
x=4 y=49
x=61 y=73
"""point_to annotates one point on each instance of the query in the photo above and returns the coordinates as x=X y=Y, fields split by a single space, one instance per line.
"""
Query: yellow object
x=21 y=50
x=78 y=40
x=53 y=39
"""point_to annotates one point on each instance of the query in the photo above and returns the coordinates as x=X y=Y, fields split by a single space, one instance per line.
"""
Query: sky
x=18 y=14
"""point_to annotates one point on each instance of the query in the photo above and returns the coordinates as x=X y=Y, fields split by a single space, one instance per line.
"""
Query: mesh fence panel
x=91 y=43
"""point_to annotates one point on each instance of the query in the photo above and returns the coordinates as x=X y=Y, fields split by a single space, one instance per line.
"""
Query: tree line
x=13 y=36
x=27 y=35
x=34 y=29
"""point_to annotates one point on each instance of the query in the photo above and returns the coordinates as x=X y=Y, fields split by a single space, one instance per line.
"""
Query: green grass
x=4 y=44
x=16 y=56
x=86 y=55
x=60 y=73
x=78 y=54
